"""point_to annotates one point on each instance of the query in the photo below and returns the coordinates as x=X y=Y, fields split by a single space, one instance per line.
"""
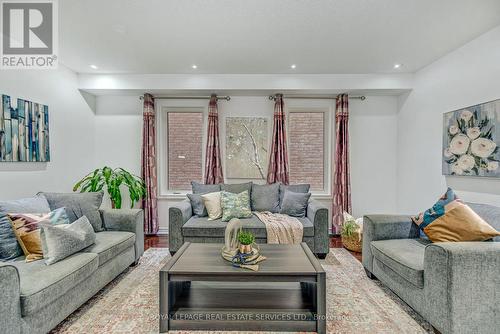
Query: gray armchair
x=183 y=226
x=455 y=286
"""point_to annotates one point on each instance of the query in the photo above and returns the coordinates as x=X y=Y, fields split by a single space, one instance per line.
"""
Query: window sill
x=173 y=196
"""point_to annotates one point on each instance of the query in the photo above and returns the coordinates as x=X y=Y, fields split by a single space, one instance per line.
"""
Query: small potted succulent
x=246 y=239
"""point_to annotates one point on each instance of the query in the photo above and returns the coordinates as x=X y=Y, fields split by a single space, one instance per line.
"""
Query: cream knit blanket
x=281 y=229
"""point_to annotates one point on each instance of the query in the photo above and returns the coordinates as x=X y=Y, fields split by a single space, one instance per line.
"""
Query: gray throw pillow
x=78 y=205
x=266 y=197
x=197 y=205
x=9 y=247
x=295 y=204
x=61 y=241
x=296 y=188
x=237 y=188
x=199 y=188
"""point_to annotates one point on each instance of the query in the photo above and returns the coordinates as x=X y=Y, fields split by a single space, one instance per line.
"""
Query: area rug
x=355 y=304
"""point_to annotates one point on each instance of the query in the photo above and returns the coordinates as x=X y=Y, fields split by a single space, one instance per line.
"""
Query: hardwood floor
x=161 y=241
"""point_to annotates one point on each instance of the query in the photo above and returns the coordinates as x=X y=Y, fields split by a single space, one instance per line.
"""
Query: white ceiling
x=266 y=36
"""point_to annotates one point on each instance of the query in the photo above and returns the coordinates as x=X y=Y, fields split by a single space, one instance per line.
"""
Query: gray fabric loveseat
x=453 y=285
x=36 y=297
x=186 y=226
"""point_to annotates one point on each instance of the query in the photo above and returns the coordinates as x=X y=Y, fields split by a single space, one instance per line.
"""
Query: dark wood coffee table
x=201 y=291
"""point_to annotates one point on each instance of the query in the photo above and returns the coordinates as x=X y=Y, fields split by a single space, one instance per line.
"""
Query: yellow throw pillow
x=212 y=202
x=26 y=227
x=460 y=223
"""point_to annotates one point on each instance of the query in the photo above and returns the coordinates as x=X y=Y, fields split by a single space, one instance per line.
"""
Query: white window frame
x=163 y=107
x=326 y=107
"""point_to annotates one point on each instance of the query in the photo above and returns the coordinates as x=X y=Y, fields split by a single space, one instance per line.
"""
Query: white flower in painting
x=466 y=162
x=466 y=115
x=473 y=133
x=483 y=147
x=453 y=129
x=447 y=153
x=492 y=166
x=459 y=144
x=455 y=169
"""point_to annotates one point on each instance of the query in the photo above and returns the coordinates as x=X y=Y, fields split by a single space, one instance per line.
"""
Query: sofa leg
x=172 y=253
x=136 y=262
x=369 y=274
x=321 y=256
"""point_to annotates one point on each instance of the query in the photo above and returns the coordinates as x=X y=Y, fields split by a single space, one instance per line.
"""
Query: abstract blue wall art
x=471 y=141
x=24 y=131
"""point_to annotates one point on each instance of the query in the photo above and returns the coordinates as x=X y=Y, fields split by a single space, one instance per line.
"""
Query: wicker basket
x=353 y=243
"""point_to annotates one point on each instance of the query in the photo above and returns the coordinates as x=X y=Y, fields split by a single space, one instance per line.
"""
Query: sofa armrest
x=178 y=215
x=384 y=227
x=10 y=307
x=318 y=215
x=127 y=220
x=462 y=281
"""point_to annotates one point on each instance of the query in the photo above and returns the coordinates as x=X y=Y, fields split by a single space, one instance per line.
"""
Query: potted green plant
x=113 y=180
x=351 y=234
x=246 y=240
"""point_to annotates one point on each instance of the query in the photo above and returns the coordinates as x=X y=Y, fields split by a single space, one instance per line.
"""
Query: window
x=306 y=148
x=185 y=154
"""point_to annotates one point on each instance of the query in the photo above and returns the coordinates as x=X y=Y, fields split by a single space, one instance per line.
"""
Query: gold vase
x=245 y=249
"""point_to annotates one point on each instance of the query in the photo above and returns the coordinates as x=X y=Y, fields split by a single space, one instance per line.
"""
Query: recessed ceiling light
x=94 y=67
x=293 y=66
x=396 y=66
x=194 y=67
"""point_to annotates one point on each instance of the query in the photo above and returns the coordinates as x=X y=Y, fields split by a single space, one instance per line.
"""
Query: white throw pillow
x=212 y=202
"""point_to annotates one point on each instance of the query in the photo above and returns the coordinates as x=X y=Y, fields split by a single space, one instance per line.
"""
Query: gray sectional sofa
x=453 y=285
x=35 y=297
x=185 y=226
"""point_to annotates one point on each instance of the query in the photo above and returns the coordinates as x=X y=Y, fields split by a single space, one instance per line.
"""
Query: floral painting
x=246 y=147
x=471 y=139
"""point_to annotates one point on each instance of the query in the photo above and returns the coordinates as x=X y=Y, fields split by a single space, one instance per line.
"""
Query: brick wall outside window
x=306 y=148
x=185 y=130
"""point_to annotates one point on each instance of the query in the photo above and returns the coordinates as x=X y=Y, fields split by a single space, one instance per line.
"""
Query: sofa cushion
x=109 y=244
x=490 y=213
x=26 y=226
x=200 y=188
x=296 y=188
x=202 y=227
x=266 y=197
x=9 y=247
x=235 y=205
x=403 y=256
x=61 y=241
x=41 y=284
x=78 y=205
x=295 y=204
x=197 y=205
x=237 y=188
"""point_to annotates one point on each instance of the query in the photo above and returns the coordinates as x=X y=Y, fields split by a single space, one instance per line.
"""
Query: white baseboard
x=163 y=231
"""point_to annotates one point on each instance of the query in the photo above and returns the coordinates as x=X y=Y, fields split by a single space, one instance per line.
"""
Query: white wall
x=71 y=133
x=373 y=145
x=373 y=131
x=470 y=75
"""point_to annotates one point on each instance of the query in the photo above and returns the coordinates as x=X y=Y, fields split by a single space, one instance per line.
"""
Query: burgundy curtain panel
x=148 y=166
x=341 y=175
x=278 y=158
x=213 y=165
